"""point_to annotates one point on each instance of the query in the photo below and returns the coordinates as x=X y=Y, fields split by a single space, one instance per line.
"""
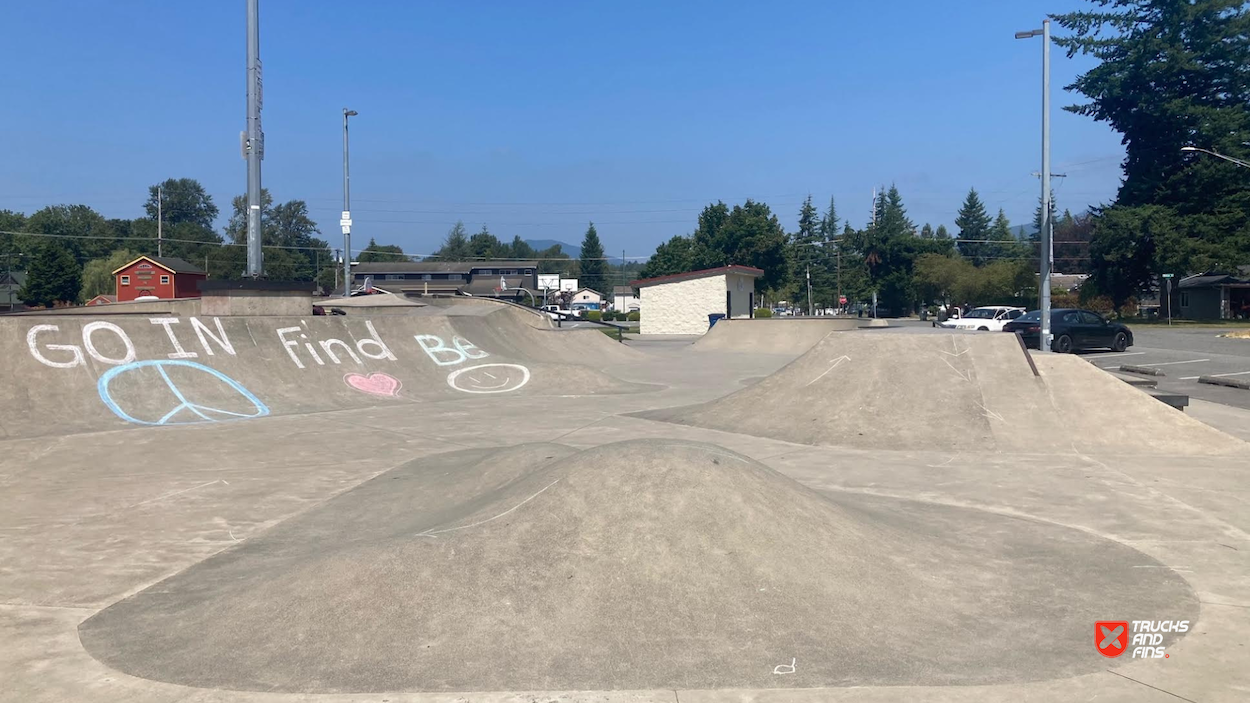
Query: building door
x=729 y=302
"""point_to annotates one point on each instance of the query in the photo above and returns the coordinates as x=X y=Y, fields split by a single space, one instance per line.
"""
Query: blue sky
x=536 y=117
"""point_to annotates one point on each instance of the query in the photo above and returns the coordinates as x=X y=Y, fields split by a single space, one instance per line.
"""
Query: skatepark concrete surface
x=457 y=502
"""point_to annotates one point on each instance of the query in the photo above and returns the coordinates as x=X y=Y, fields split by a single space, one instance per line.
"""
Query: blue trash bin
x=711 y=319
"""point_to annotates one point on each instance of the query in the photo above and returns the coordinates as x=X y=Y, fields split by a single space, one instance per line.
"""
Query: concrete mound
x=638 y=565
x=74 y=373
x=771 y=336
x=950 y=392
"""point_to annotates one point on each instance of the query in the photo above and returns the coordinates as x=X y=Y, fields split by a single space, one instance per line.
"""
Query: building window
x=486 y=272
x=426 y=277
x=165 y=280
x=125 y=280
x=1184 y=298
x=394 y=276
x=529 y=272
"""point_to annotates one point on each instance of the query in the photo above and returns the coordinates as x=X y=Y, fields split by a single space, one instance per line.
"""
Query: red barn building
x=163 y=277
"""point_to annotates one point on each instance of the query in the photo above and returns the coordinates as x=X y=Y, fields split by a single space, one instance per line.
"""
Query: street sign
x=1168 y=275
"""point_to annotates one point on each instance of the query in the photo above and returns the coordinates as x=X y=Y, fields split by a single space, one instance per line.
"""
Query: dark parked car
x=1072 y=330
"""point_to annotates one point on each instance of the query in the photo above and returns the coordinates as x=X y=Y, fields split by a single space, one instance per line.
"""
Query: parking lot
x=1183 y=354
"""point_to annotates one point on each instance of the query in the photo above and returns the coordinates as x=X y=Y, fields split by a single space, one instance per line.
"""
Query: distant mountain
x=572 y=250
x=1023 y=232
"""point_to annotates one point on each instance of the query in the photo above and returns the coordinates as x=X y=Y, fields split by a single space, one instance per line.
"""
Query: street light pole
x=255 y=144
x=346 y=221
x=1216 y=154
x=160 y=217
x=1047 y=240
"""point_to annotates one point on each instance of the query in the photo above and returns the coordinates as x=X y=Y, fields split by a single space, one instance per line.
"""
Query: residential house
x=1213 y=296
x=586 y=299
x=625 y=299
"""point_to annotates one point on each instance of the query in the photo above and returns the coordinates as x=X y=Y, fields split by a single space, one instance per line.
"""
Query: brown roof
x=169 y=263
x=376 y=267
x=689 y=275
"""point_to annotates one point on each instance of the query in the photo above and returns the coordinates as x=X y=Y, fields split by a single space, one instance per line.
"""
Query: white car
x=990 y=318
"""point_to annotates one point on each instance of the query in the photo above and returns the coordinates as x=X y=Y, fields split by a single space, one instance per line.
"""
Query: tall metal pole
x=255 y=141
x=160 y=217
x=1047 y=226
x=810 y=312
x=346 y=221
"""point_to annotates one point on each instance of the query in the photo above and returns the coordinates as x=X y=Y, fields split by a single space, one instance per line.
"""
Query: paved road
x=1182 y=353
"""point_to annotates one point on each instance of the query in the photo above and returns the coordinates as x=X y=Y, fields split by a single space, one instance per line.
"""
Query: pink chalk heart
x=374 y=383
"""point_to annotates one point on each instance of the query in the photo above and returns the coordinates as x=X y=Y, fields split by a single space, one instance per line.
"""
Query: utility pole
x=346 y=221
x=839 y=246
x=1047 y=233
x=160 y=198
x=810 y=312
x=254 y=146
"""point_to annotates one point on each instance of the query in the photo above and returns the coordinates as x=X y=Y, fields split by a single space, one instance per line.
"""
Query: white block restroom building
x=681 y=303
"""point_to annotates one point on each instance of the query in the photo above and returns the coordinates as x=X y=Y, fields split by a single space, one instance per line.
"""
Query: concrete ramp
x=640 y=565
x=82 y=373
x=952 y=392
x=771 y=335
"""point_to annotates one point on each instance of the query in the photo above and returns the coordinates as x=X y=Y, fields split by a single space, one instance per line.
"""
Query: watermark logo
x=1111 y=637
x=1144 y=638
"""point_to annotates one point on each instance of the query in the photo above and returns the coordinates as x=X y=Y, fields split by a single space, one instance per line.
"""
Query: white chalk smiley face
x=489 y=378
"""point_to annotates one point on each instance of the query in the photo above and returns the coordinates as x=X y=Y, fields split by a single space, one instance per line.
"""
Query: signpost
x=1167 y=279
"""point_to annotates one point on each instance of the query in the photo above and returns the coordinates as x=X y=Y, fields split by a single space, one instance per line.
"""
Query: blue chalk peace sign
x=202 y=413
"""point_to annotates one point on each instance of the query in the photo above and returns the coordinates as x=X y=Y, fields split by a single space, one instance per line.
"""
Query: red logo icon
x=1111 y=637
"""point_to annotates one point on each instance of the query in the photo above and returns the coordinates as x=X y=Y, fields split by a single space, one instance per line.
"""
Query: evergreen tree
x=594 y=268
x=484 y=246
x=804 y=244
x=1170 y=74
x=1001 y=232
x=941 y=233
x=53 y=276
x=385 y=253
x=825 y=260
x=926 y=232
x=521 y=249
x=455 y=244
x=974 y=225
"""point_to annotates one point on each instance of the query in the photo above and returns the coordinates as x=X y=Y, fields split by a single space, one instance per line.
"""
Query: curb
x=1230 y=382
x=1143 y=370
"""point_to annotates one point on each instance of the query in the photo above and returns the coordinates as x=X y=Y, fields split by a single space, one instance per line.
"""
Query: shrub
x=634 y=317
x=763 y=312
x=593 y=315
